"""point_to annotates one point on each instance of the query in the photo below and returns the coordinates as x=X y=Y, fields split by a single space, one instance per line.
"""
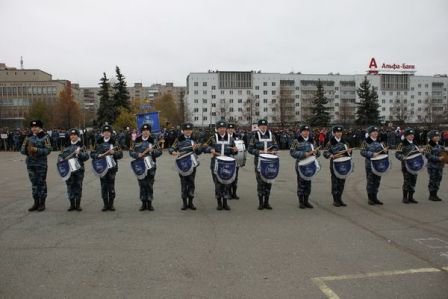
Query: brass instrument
x=444 y=156
x=108 y=152
x=74 y=153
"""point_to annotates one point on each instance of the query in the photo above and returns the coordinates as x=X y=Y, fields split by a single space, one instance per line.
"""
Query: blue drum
x=66 y=167
x=269 y=167
x=225 y=169
x=342 y=167
x=380 y=165
x=415 y=163
x=308 y=168
x=102 y=165
x=185 y=164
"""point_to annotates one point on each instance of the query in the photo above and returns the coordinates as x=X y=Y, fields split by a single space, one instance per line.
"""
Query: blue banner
x=151 y=118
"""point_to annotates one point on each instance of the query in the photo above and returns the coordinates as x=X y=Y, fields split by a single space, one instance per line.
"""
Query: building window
x=273 y=83
x=196 y=84
x=196 y=110
x=213 y=87
x=240 y=101
x=265 y=83
x=204 y=83
x=204 y=92
x=196 y=92
x=257 y=87
x=196 y=101
x=213 y=96
x=273 y=92
x=222 y=91
x=204 y=109
x=231 y=101
x=196 y=118
x=265 y=92
x=265 y=101
x=204 y=101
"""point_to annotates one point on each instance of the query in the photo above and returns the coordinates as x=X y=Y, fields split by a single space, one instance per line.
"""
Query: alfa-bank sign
x=390 y=67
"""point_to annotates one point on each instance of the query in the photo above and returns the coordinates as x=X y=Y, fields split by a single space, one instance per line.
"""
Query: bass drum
x=241 y=156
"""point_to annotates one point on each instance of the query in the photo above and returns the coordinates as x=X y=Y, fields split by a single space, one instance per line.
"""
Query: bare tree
x=400 y=112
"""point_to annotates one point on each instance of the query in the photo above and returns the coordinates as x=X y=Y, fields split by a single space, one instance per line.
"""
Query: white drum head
x=342 y=159
x=225 y=158
x=307 y=161
x=413 y=156
x=380 y=157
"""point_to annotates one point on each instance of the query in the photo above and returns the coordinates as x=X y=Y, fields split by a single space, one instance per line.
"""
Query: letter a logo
x=372 y=63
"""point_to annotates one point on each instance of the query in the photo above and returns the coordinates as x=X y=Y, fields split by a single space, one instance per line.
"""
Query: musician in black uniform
x=75 y=149
x=406 y=148
x=221 y=144
x=183 y=145
x=337 y=147
x=36 y=147
x=107 y=145
x=259 y=139
x=435 y=165
x=371 y=148
x=234 y=185
x=144 y=146
x=303 y=147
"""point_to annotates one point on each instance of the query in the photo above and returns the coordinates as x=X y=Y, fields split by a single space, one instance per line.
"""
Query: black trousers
x=187 y=185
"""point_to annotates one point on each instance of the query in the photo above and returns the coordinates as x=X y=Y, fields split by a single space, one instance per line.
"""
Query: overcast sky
x=163 y=41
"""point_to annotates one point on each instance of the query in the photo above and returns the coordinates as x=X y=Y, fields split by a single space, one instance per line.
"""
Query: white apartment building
x=245 y=97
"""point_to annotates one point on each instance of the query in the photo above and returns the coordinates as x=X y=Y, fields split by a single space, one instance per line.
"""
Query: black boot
x=405 y=197
x=144 y=206
x=219 y=208
x=371 y=197
x=411 y=198
x=307 y=203
x=190 y=204
x=260 y=202
x=302 y=202
x=343 y=204
x=72 y=205
x=336 y=201
x=41 y=205
x=184 y=204
x=224 y=204
x=149 y=204
x=78 y=204
x=105 y=205
x=376 y=200
x=35 y=206
x=433 y=196
x=234 y=196
x=111 y=205
x=266 y=204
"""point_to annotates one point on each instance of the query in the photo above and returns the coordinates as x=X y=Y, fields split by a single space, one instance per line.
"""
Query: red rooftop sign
x=387 y=67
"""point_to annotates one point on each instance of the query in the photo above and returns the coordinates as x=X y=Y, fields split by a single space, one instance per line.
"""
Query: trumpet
x=108 y=152
x=74 y=153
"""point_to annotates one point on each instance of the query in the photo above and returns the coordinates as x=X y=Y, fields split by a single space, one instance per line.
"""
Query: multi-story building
x=244 y=97
x=19 y=88
x=89 y=95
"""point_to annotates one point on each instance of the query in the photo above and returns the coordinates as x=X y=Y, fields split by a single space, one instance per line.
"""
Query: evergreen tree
x=367 y=112
x=320 y=116
x=106 y=112
x=121 y=93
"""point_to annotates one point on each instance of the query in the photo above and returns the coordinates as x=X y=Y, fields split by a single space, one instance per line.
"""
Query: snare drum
x=308 y=168
x=269 y=167
x=225 y=169
x=241 y=155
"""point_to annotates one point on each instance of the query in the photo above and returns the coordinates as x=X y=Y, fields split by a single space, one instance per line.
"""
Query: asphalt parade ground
x=358 y=251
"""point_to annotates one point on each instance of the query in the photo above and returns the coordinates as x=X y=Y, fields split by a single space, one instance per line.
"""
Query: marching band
x=228 y=154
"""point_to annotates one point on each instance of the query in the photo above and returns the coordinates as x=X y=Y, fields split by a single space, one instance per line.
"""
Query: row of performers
x=223 y=146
